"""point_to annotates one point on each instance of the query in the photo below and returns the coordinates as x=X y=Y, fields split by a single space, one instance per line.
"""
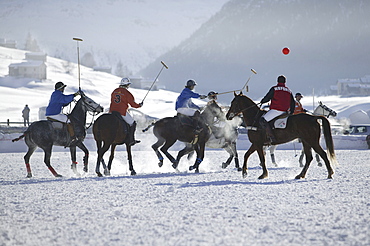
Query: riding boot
x=265 y=125
x=72 y=134
x=131 y=134
x=196 y=122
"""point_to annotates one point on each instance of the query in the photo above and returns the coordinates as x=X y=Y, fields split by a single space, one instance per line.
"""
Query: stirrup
x=134 y=142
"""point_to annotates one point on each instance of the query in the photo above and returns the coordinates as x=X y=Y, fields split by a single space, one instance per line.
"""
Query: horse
x=224 y=133
x=109 y=131
x=170 y=129
x=303 y=126
x=46 y=133
x=321 y=109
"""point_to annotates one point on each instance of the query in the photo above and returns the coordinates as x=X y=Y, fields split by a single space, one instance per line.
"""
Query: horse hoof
x=160 y=163
x=299 y=177
x=244 y=174
x=319 y=164
x=58 y=176
x=224 y=165
x=262 y=177
x=106 y=172
x=191 y=168
x=133 y=173
x=85 y=168
x=239 y=169
x=99 y=174
x=174 y=165
x=29 y=175
x=197 y=170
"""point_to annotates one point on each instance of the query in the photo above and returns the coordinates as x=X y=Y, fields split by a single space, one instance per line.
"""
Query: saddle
x=186 y=120
x=190 y=122
x=55 y=123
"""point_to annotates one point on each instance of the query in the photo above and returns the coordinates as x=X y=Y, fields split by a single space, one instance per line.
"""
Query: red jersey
x=120 y=99
x=282 y=97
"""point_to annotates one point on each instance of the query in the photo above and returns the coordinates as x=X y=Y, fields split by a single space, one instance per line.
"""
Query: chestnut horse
x=303 y=126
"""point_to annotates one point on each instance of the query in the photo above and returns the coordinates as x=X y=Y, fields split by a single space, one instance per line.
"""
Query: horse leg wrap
x=28 y=167
x=53 y=171
x=198 y=161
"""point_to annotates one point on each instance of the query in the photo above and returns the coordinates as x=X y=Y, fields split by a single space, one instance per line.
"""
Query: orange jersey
x=298 y=108
x=120 y=99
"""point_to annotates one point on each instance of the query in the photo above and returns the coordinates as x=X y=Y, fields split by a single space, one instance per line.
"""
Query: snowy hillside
x=133 y=32
x=15 y=93
x=328 y=40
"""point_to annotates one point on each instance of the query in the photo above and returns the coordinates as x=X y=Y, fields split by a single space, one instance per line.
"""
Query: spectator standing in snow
x=26 y=115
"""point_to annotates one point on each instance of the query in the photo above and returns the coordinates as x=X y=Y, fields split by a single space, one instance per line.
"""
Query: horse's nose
x=230 y=116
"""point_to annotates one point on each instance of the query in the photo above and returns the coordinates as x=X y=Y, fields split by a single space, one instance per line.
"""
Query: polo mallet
x=246 y=84
x=155 y=80
x=78 y=59
x=254 y=72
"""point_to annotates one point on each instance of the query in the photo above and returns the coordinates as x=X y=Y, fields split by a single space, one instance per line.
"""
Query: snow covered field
x=162 y=207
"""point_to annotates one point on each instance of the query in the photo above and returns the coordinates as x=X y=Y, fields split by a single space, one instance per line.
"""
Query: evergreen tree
x=88 y=60
x=31 y=44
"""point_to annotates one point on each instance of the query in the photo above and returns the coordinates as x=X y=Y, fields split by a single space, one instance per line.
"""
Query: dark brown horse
x=303 y=126
x=170 y=129
x=109 y=131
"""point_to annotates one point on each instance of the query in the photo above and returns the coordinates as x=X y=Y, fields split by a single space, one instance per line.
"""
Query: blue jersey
x=57 y=101
x=184 y=99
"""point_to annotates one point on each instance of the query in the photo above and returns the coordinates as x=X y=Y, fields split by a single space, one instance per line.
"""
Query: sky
x=134 y=32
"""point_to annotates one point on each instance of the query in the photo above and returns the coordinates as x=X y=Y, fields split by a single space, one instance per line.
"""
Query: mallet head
x=164 y=65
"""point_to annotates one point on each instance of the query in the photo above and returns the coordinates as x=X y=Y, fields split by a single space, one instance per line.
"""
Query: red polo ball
x=286 y=50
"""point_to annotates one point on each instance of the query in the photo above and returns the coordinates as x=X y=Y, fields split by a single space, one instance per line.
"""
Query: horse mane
x=250 y=101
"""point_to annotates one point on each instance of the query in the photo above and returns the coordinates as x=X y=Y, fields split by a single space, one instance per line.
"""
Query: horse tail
x=18 y=138
x=148 y=127
x=328 y=138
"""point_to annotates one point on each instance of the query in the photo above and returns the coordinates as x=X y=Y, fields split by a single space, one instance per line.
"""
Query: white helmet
x=125 y=82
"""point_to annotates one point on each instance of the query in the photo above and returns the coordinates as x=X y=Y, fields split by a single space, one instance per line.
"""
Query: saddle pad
x=57 y=125
x=280 y=123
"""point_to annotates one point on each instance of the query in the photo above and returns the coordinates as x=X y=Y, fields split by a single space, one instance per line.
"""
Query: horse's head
x=90 y=104
x=322 y=109
x=238 y=104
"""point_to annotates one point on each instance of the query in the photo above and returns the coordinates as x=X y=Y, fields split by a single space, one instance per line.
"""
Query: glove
x=141 y=104
x=202 y=96
x=77 y=93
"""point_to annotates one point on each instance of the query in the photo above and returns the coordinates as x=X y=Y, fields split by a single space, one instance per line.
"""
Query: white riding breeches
x=60 y=117
x=128 y=119
x=187 y=111
x=271 y=114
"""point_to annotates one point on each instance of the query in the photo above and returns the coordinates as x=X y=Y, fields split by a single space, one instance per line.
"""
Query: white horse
x=321 y=109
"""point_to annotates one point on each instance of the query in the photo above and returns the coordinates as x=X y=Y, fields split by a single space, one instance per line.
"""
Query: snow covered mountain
x=133 y=32
x=328 y=40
